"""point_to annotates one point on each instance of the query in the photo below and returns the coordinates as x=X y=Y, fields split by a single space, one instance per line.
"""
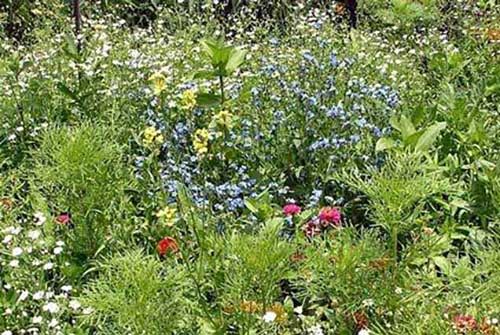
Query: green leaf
x=394 y=122
x=218 y=52
x=236 y=58
x=407 y=128
x=413 y=138
x=251 y=205
x=204 y=75
x=208 y=99
x=70 y=48
x=443 y=264
x=429 y=136
x=384 y=143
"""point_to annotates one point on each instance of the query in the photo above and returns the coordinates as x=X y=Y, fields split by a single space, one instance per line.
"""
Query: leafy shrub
x=80 y=171
x=155 y=296
x=403 y=191
x=344 y=276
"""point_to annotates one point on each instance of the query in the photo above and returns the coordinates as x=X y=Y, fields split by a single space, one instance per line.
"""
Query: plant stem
x=395 y=249
x=78 y=23
x=221 y=84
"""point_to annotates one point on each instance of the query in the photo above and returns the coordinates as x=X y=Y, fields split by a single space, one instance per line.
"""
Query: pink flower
x=64 y=218
x=464 y=323
x=311 y=229
x=330 y=216
x=291 y=209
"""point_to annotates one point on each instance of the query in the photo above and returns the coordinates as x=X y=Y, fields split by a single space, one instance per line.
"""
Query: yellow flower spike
x=188 y=99
x=200 y=141
x=152 y=136
x=158 y=83
x=224 y=119
x=159 y=139
x=167 y=215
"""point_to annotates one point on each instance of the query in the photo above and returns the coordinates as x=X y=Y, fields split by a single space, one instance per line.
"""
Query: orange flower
x=493 y=34
x=297 y=257
x=339 y=8
x=6 y=203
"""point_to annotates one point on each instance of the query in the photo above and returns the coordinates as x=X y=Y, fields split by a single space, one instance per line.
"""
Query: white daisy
x=17 y=251
x=39 y=218
x=14 y=263
x=34 y=234
x=51 y=307
x=74 y=304
x=269 y=316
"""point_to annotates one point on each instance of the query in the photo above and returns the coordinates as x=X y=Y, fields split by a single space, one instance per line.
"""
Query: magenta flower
x=291 y=209
x=330 y=216
x=64 y=218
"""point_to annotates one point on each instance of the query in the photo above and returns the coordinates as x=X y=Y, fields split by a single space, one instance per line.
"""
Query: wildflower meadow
x=290 y=167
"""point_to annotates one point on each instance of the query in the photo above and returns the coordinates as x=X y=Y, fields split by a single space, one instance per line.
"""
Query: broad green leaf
x=251 y=205
x=273 y=226
x=429 y=136
x=208 y=99
x=413 y=139
x=70 y=48
x=384 y=143
x=394 y=122
x=217 y=51
x=407 y=128
x=204 y=75
x=236 y=58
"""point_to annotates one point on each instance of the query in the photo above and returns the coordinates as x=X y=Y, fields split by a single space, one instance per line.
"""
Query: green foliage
x=409 y=13
x=313 y=181
x=403 y=191
x=80 y=170
x=420 y=140
x=154 y=296
x=225 y=59
x=258 y=263
x=345 y=274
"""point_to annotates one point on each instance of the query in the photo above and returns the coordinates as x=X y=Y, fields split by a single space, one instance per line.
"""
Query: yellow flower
x=224 y=119
x=158 y=82
x=152 y=136
x=167 y=215
x=200 y=141
x=188 y=100
x=250 y=306
x=280 y=312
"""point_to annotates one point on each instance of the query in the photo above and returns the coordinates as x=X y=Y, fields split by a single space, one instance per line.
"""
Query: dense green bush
x=155 y=296
x=80 y=171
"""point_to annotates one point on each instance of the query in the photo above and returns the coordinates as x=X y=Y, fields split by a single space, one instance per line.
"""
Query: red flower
x=330 y=216
x=167 y=244
x=64 y=218
x=464 y=323
x=291 y=209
